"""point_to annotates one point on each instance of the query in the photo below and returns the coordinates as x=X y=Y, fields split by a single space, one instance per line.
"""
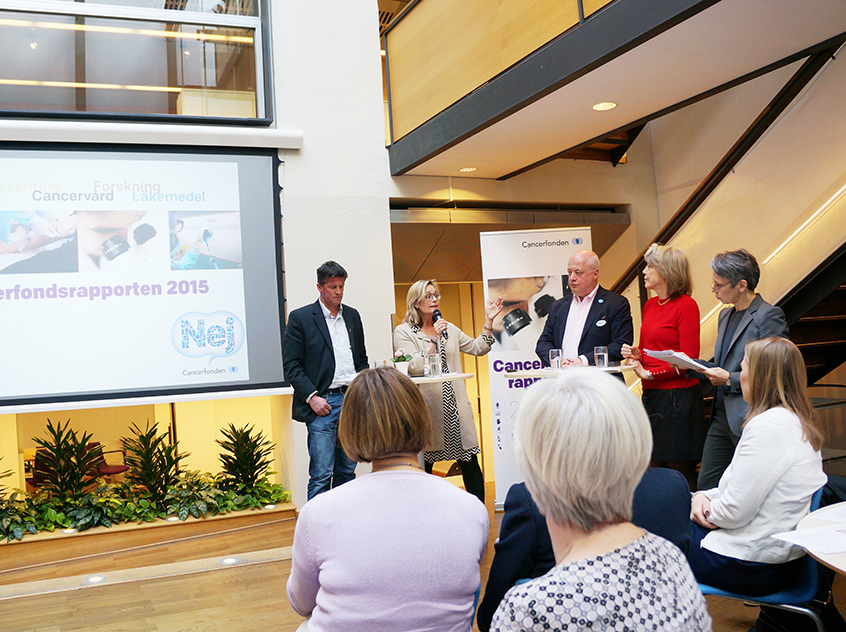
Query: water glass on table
x=433 y=365
x=600 y=357
x=555 y=358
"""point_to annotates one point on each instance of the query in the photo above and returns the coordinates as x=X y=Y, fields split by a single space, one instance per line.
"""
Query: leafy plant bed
x=156 y=488
x=192 y=495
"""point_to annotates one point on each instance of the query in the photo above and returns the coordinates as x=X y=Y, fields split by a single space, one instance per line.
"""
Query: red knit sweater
x=673 y=325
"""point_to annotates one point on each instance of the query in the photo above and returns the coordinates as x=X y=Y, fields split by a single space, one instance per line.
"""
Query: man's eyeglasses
x=432 y=297
x=715 y=288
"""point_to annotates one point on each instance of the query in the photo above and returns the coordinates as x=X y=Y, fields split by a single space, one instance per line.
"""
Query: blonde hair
x=415 y=294
x=583 y=442
x=673 y=266
x=383 y=414
x=778 y=378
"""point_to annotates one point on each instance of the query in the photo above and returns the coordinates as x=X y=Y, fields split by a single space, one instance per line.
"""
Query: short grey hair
x=583 y=442
x=736 y=266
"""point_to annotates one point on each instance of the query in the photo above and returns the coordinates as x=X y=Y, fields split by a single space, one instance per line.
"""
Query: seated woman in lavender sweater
x=397 y=549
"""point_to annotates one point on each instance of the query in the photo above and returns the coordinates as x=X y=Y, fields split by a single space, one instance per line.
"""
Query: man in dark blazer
x=603 y=319
x=322 y=351
x=661 y=505
x=735 y=275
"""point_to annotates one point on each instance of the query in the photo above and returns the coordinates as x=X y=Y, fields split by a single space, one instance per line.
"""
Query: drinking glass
x=600 y=356
x=555 y=358
x=433 y=365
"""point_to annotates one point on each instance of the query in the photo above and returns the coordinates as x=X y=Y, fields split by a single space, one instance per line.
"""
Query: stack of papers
x=676 y=358
x=826 y=540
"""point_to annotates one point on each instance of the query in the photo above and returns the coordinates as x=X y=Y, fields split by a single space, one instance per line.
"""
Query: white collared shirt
x=576 y=319
x=344 y=365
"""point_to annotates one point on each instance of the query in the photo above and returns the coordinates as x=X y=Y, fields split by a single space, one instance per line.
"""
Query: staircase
x=816 y=314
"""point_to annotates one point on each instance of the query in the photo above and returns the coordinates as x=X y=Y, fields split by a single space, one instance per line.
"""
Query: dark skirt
x=678 y=423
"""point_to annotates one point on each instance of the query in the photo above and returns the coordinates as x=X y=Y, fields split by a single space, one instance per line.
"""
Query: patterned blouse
x=644 y=585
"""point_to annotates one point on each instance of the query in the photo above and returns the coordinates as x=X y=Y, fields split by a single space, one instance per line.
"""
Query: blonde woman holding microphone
x=425 y=332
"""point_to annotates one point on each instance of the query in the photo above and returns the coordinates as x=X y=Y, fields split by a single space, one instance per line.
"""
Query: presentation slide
x=137 y=273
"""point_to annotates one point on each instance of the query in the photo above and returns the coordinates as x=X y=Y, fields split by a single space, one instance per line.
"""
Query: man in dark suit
x=322 y=351
x=589 y=317
x=661 y=505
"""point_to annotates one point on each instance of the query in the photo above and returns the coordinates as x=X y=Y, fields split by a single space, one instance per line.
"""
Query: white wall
x=327 y=74
x=687 y=144
x=793 y=170
x=328 y=84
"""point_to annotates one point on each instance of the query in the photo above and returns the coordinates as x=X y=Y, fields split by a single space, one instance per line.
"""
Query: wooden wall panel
x=592 y=6
x=442 y=50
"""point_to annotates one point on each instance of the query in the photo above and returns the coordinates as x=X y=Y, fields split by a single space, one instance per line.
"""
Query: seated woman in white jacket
x=767 y=488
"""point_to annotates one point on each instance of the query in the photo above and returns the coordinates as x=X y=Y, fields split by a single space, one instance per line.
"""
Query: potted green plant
x=154 y=465
x=401 y=360
x=246 y=463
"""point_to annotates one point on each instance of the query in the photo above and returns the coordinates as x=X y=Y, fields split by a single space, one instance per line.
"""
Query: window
x=134 y=59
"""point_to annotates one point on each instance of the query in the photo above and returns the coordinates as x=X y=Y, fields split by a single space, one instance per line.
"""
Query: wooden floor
x=204 y=595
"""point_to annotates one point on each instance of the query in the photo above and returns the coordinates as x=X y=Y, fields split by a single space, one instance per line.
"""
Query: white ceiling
x=726 y=41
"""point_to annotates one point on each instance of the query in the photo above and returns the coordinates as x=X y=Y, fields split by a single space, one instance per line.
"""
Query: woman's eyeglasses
x=432 y=297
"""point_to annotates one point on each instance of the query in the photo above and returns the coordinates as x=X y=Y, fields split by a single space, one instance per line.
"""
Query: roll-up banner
x=528 y=269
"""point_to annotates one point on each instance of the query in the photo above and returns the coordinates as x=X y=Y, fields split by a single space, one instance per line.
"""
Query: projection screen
x=127 y=273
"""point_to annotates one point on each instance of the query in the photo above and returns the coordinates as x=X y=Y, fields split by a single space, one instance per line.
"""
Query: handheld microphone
x=436 y=316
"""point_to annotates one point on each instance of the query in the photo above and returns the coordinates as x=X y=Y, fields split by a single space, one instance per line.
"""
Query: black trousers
x=474 y=481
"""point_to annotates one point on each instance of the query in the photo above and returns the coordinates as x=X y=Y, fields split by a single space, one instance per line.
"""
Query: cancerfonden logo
x=219 y=334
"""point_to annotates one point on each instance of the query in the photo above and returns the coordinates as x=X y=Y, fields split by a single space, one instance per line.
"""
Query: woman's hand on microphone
x=440 y=326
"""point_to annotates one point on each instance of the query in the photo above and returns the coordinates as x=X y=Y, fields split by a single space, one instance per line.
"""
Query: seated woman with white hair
x=583 y=442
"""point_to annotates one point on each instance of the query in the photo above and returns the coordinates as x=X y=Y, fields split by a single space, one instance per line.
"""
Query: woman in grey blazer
x=735 y=276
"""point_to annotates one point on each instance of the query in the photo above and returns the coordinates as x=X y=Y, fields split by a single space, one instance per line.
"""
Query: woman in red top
x=673 y=401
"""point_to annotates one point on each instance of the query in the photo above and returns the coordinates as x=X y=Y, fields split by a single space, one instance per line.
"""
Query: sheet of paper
x=826 y=540
x=836 y=513
x=676 y=358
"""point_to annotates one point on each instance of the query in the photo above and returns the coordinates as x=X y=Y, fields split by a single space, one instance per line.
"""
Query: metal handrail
x=759 y=126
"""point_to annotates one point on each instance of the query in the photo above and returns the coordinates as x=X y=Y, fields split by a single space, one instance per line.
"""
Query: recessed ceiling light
x=95 y=579
x=605 y=105
x=468 y=169
x=187 y=53
x=229 y=561
x=33 y=45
